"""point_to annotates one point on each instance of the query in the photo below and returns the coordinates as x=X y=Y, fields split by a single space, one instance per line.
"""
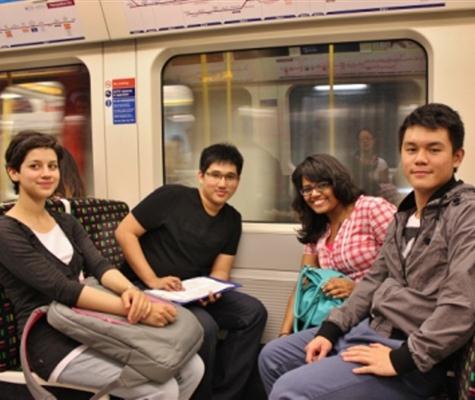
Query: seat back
x=100 y=218
x=465 y=372
x=9 y=356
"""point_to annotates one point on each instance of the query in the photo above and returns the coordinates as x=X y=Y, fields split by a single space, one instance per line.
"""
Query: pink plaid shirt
x=358 y=240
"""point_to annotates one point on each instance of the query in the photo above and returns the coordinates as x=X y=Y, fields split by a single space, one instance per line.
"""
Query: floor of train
x=254 y=391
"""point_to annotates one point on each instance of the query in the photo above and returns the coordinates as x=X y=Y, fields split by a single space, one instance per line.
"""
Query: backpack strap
x=128 y=377
x=37 y=391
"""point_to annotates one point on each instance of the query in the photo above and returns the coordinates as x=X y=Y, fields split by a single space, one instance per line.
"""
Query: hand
x=161 y=314
x=170 y=283
x=136 y=303
x=375 y=359
x=338 y=288
x=317 y=349
x=212 y=298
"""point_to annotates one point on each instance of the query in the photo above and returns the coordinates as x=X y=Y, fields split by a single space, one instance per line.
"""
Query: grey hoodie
x=429 y=297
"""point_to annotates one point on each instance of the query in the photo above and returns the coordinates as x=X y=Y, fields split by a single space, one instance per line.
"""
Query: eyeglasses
x=216 y=176
x=307 y=191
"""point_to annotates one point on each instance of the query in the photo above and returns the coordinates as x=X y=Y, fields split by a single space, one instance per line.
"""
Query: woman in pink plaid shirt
x=341 y=228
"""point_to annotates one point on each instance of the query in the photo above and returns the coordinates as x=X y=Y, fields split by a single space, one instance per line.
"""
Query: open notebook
x=194 y=289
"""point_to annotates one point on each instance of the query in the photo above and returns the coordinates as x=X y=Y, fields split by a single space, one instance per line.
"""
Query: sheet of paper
x=194 y=289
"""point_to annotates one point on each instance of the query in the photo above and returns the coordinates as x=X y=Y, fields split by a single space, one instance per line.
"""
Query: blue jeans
x=286 y=376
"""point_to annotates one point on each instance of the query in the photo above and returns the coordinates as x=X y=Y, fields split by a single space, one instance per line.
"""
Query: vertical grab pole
x=331 y=99
x=205 y=97
x=229 y=97
x=6 y=134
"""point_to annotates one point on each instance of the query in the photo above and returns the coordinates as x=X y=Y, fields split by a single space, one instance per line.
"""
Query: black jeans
x=228 y=362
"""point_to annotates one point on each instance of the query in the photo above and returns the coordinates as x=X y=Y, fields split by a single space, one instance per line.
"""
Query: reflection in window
x=54 y=101
x=281 y=105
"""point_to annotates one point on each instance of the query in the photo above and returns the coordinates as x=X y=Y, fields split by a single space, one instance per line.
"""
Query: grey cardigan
x=33 y=277
x=430 y=295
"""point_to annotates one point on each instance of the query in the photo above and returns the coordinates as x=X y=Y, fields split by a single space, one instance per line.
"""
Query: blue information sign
x=123 y=101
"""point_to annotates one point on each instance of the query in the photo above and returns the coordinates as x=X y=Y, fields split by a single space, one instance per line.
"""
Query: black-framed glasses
x=307 y=190
x=216 y=176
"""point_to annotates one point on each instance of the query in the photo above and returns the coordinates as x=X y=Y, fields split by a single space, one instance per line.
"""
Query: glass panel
x=54 y=101
x=280 y=105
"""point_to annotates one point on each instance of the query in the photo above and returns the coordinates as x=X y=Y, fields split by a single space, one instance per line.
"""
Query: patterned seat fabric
x=466 y=373
x=9 y=352
x=100 y=218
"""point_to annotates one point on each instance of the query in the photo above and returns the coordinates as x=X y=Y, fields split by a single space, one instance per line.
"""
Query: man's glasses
x=216 y=176
x=307 y=191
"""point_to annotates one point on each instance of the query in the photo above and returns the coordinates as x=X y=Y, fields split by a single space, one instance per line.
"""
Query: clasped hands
x=374 y=358
x=141 y=309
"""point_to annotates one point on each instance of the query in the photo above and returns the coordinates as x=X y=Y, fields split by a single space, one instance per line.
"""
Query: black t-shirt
x=181 y=238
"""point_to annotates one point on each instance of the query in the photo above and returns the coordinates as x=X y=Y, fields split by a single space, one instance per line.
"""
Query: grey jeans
x=91 y=369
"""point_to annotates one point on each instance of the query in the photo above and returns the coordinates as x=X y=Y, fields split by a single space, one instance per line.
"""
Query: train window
x=280 y=105
x=54 y=101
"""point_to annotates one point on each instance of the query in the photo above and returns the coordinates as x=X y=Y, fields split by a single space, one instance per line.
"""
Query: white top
x=413 y=224
x=57 y=243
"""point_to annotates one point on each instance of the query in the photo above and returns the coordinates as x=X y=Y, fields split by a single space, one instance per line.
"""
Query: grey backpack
x=148 y=353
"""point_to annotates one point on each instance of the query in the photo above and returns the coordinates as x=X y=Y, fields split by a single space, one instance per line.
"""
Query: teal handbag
x=311 y=305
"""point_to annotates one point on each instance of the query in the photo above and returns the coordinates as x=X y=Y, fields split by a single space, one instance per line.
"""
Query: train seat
x=100 y=218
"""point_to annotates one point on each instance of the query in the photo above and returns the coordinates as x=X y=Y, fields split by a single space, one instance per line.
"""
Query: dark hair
x=221 y=152
x=70 y=183
x=318 y=168
x=358 y=133
x=25 y=141
x=364 y=129
x=433 y=116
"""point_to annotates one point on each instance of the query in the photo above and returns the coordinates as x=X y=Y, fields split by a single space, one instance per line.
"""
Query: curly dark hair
x=318 y=168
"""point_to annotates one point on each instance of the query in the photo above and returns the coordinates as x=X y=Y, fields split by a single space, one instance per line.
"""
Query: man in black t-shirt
x=179 y=232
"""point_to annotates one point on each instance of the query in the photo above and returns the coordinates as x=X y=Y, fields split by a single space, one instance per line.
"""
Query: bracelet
x=284 y=334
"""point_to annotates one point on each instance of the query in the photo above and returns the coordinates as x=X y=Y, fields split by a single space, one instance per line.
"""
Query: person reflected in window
x=341 y=228
x=42 y=253
x=369 y=169
x=70 y=183
x=179 y=232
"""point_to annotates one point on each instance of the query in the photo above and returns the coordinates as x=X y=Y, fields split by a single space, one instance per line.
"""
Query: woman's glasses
x=307 y=190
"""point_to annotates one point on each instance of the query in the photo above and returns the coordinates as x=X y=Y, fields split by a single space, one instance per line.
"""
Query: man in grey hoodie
x=394 y=337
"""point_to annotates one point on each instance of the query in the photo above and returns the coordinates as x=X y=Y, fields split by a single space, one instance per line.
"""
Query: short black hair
x=318 y=168
x=221 y=152
x=433 y=116
x=25 y=141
